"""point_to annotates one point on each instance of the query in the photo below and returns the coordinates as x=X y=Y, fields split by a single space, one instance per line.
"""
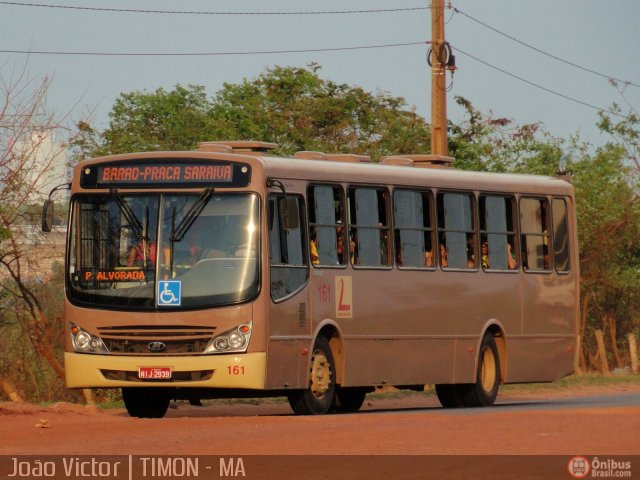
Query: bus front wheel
x=318 y=398
x=146 y=402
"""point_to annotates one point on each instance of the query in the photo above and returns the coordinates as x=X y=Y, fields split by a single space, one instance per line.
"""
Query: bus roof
x=353 y=171
x=331 y=171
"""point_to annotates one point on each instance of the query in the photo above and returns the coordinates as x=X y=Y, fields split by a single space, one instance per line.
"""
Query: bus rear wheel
x=483 y=393
x=452 y=395
x=146 y=402
x=349 y=399
x=319 y=397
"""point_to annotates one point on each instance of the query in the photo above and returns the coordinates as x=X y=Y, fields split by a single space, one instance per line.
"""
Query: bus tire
x=349 y=399
x=146 y=402
x=483 y=393
x=452 y=395
x=318 y=399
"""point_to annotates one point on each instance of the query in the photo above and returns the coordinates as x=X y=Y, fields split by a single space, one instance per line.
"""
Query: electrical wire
x=205 y=54
x=548 y=90
x=608 y=77
x=187 y=12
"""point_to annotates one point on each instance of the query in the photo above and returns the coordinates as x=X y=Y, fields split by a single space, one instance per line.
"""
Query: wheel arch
x=496 y=329
x=330 y=330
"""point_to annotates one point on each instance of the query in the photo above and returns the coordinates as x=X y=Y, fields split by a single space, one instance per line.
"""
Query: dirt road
x=401 y=425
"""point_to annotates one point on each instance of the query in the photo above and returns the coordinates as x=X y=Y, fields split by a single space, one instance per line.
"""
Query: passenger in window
x=142 y=254
x=428 y=258
x=545 y=252
x=313 y=247
x=340 y=245
x=384 y=247
x=511 y=258
x=353 y=249
x=443 y=255
x=485 y=255
x=471 y=254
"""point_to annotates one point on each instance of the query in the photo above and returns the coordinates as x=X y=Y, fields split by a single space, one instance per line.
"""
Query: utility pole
x=440 y=60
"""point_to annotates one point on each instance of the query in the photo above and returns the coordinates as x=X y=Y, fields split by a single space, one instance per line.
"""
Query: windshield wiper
x=178 y=232
x=134 y=222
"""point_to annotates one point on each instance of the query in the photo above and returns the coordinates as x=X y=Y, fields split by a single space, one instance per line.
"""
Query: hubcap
x=488 y=372
x=320 y=374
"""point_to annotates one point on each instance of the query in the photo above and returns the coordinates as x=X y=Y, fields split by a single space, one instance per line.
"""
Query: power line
x=204 y=54
x=566 y=97
x=608 y=77
x=187 y=12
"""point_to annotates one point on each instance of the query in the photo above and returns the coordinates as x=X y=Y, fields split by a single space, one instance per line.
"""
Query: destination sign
x=112 y=275
x=174 y=172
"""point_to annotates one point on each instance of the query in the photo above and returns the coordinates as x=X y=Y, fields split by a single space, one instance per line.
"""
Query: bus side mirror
x=47 y=215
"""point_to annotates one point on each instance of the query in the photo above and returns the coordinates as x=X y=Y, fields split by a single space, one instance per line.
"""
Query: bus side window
x=369 y=227
x=534 y=230
x=326 y=232
x=287 y=252
x=560 y=236
x=413 y=229
x=497 y=233
x=456 y=230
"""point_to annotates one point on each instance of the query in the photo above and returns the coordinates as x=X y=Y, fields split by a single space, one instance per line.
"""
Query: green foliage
x=21 y=362
x=292 y=107
x=490 y=144
x=161 y=120
x=298 y=110
x=607 y=204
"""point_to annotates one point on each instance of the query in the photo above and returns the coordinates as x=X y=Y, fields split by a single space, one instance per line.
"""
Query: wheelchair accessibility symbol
x=169 y=292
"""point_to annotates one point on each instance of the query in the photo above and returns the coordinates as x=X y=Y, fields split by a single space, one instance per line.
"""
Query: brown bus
x=227 y=272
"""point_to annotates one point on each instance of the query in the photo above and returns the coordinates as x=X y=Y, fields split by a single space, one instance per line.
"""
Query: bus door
x=289 y=325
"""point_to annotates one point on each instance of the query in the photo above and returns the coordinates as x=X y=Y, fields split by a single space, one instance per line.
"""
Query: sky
x=598 y=35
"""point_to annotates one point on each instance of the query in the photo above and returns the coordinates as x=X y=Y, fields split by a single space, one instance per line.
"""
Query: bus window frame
x=432 y=229
x=343 y=217
x=551 y=266
x=440 y=230
x=385 y=190
x=515 y=213
x=302 y=206
x=564 y=200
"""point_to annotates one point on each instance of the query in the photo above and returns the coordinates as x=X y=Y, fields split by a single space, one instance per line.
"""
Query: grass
x=575 y=383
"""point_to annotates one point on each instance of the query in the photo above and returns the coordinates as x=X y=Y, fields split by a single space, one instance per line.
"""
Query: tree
x=607 y=204
x=26 y=159
x=160 y=120
x=298 y=110
x=608 y=192
x=485 y=143
x=292 y=107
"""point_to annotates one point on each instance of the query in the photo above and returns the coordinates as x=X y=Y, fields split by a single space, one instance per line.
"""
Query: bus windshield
x=163 y=251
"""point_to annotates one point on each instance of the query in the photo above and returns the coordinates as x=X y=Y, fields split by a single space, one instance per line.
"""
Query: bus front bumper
x=235 y=371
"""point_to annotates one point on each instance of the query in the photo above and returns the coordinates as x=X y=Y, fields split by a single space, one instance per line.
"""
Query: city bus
x=230 y=272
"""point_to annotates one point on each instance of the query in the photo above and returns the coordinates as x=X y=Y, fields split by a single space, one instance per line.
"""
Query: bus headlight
x=84 y=342
x=234 y=340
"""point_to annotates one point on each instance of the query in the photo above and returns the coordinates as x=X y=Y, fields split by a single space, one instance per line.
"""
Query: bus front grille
x=149 y=340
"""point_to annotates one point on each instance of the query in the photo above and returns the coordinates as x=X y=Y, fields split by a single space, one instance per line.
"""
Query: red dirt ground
x=403 y=424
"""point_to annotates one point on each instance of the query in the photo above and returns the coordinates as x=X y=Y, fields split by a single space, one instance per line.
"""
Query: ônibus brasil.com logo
x=580 y=467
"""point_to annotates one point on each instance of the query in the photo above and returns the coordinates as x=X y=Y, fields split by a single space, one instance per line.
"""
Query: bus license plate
x=154 y=373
